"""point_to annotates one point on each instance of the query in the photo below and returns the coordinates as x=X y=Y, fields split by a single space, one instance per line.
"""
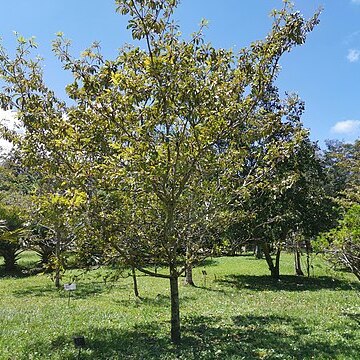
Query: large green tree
x=160 y=132
x=288 y=202
x=342 y=164
x=341 y=244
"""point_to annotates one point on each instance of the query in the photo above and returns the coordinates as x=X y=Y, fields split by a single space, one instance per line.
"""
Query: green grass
x=240 y=314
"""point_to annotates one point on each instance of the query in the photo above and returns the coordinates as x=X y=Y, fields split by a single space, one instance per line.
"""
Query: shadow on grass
x=19 y=272
x=207 y=262
x=287 y=283
x=85 y=290
x=210 y=289
x=48 y=290
x=82 y=291
x=158 y=301
x=142 y=342
x=245 y=337
x=353 y=316
x=264 y=337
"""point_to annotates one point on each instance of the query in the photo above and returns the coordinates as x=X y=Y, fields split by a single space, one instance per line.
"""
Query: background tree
x=341 y=161
x=310 y=209
x=289 y=206
x=341 y=244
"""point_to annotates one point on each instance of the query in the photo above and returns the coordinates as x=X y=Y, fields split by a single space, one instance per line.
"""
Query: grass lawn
x=240 y=313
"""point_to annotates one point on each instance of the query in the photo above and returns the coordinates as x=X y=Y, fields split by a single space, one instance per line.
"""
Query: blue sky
x=325 y=72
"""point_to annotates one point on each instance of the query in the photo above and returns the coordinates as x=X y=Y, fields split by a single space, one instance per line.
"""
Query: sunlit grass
x=236 y=312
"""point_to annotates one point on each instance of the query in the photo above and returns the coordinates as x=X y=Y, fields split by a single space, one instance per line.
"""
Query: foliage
x=55 y=224
x=342 y=244
x=342 y=162
x=289 y=203
x=12 y=233
x=14 y=211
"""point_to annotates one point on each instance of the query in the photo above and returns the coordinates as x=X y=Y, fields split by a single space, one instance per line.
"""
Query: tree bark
x=57 y=277
x=175 y=307
x=189 y=275
x=188 y=268
x=274 y=268
x=57 y=263
x=308 y=249
x=297 y=263
x=258 y=250
x=136 y=290
x=276 y=274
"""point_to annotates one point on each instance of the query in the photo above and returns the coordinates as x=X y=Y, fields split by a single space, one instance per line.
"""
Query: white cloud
x=352 y=38
x=353 y=54
x=348 y=127
x=7 y=118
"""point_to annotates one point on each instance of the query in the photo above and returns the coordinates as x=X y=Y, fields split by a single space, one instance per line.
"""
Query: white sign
x=69 y=287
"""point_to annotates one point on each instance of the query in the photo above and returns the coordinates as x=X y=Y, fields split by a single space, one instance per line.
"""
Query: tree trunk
x=57 y=276
x=268 y=257
x=57 y=264
x=297 y=262
x=175 y=307
x=258 y=250
x=274 y=268
x=189 y=276
x=276 y=273
x=136 y=290
x=188 y=268
x=308 y=249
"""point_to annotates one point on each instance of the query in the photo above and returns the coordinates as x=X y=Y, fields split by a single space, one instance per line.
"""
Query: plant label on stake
x=69 y=288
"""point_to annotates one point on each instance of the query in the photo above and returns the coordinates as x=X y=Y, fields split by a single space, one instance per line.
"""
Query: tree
x=341 y=161
x=288 y=206
x=310 y=209
x=156 y=130
x=342 y=244
x=55 y=222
